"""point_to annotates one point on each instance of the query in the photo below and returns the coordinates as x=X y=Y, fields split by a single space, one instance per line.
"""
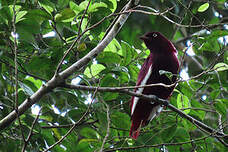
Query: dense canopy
x=68 y=69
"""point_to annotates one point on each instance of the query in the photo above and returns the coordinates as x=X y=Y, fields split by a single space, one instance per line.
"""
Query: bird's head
x=155 y=42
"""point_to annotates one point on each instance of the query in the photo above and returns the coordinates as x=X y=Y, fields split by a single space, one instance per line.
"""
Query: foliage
x=107 y=121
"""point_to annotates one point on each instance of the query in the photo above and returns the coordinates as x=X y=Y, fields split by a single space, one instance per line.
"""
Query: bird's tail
x=135 y=129
x=139 y=121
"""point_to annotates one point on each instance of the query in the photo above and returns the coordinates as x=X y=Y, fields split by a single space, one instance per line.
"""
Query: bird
x=163 y=56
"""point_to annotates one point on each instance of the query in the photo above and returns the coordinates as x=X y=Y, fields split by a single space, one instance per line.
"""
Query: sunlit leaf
x=95 y=7
x=203 y=7
x=28 y=91
x=221 y=67
x=20 y=15
x=93 y=70
x=183 y=102
x=47 y=5
x=109 y=57
x=36 y=82
x=75 y=7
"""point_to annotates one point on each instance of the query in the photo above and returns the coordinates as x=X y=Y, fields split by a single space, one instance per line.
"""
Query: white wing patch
x=140 y=90
x=155 y=112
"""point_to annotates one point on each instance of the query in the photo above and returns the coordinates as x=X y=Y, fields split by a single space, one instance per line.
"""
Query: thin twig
x=156 y=145
x=74 y=126
x=108 y=126
x=30 y=132
x=155 y=12
x=69 y=131
x=16 y=69
x=151 y=98
x=193 y=108
x=61 y=77
x=75 y=41
x=69 y=125
x=98 y=23
x=83 y=16
x=53 y=24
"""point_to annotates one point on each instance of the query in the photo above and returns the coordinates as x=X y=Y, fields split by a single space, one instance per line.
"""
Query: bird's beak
x=143 y=38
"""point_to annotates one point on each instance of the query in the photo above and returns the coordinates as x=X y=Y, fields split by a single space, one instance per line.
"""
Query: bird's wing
x=144 y=75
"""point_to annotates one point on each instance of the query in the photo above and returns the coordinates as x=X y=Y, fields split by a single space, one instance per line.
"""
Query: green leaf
x=102 y=118
x=75 y=7
x=113 y=46
x=44 y=63
x=26 y=24
x=84 y=146
x=56 y=133
x=28 y=91
x=20 y=15
x=47 y=5
x=120 y=69
x=17 y=8
x=186 y=124
x=168 y=133
x=48 y=136
x=221 y=67
x=182 y=135
x=88 y=133
x=183 y=102
x=95 y=7
x=110 y=81
x=210 y=42
x=194 y=84
x=5 y=15
x=84 y=23
x=133 y=70
x=83 y=5
x=124 y=77
x=114 y=5
x=65 y=14
x=63 y=3
x=75 y=114
x=220 y=107
x=39 y=15
x=185 y=89
x=36 y=82
x=94 y=70
x=203 y=7
x=120 y=120
x=108 y=57
x=127 y=51
x=215 y=93
x=199 y=113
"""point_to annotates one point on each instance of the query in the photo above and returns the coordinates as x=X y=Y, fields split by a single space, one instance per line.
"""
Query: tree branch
x=58 y=79
x=74 y=126
x=69 y=131
x=156 y=145
x=152 y=98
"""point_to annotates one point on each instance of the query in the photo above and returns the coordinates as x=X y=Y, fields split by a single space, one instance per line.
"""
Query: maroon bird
x=163 y=56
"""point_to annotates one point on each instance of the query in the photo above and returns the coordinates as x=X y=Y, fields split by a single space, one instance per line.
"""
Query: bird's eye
x=155 y=35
